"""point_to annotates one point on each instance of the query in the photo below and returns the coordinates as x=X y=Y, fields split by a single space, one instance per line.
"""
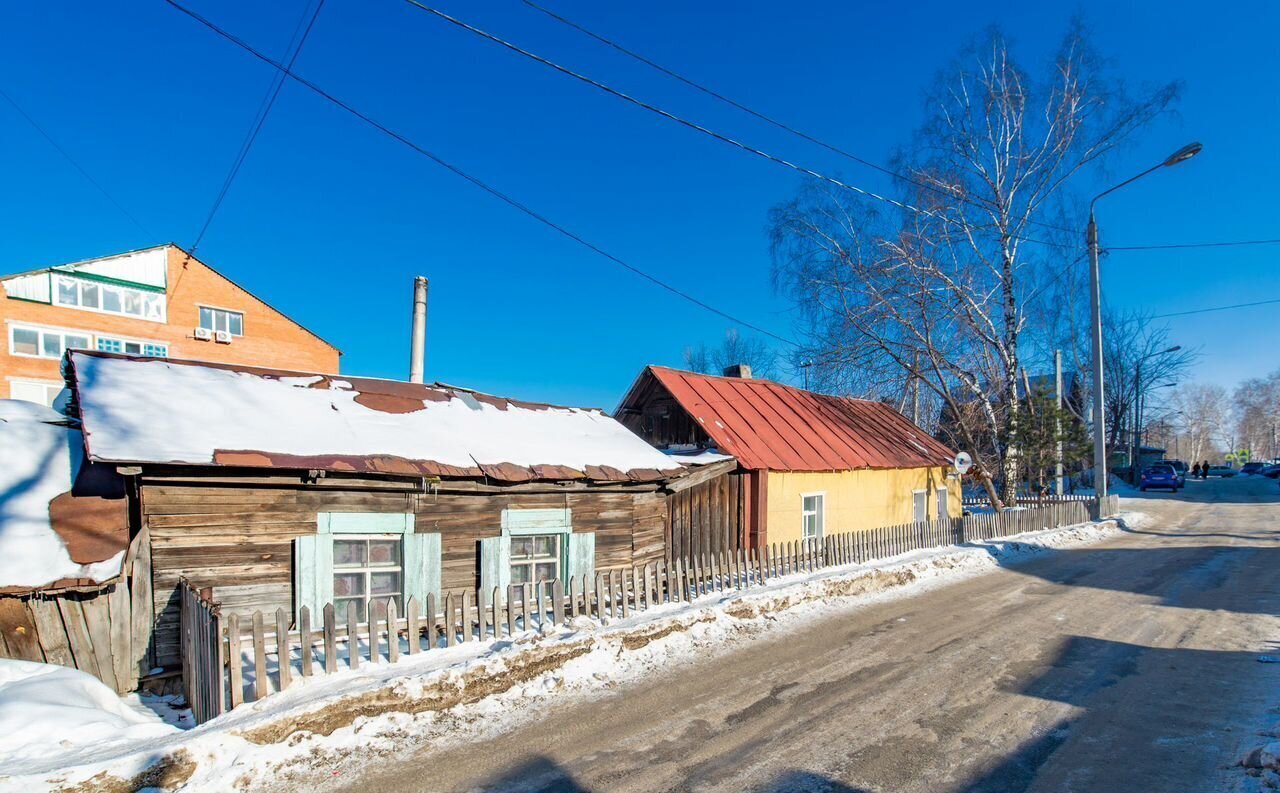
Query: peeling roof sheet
x=140 y=410
x=775 y=427
x=61 y=524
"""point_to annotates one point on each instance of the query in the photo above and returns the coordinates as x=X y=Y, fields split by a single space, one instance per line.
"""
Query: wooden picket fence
x=231 y=659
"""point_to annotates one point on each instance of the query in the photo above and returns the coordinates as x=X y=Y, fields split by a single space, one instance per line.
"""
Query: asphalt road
x=1130 y=665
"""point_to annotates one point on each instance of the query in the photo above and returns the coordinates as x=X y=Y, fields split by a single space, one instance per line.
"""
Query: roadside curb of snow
x=481 y=689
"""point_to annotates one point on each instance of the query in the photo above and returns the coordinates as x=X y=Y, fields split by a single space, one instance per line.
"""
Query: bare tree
x=942 y=298
x=1139 y=361
x=1203 y=413
x=734 y=349
x=1257 y=414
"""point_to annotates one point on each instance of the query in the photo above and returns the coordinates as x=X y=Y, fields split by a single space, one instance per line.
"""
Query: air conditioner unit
x=204 y=334
x=222 y=337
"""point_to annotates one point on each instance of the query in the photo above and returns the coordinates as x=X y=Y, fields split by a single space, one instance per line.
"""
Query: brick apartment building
x=158 y=302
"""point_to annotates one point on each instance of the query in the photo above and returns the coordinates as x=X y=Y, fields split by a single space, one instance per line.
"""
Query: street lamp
x=1136 y=459
x=1095 y=304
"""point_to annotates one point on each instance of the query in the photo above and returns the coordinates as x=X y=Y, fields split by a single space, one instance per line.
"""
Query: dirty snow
x=162 y=411
x=297 y=738
x=39 y=458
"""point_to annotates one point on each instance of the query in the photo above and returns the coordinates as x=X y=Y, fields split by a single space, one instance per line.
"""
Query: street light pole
x=1095 y=310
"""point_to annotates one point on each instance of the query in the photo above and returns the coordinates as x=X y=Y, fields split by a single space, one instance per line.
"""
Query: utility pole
x=1059 y=486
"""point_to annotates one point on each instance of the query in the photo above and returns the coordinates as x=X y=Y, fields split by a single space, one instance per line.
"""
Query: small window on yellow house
x=920 y=505
x=811 y=515
x=943 y=509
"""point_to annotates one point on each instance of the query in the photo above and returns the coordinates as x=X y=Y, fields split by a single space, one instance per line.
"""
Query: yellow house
x=809 y=464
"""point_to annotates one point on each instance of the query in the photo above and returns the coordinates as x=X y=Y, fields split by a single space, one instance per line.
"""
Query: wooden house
x=276 y=489
x=807 y=463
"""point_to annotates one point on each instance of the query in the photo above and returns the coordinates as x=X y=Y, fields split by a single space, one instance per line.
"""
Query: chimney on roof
x=418 y=337
x=741 y=370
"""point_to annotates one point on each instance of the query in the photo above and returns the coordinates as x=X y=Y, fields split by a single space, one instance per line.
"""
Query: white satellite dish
x=962 y=463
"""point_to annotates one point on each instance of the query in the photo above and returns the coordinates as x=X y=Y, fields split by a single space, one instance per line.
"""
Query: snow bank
x=46 y=710
x=170 y=411
x=476 y=691
x=39 y=459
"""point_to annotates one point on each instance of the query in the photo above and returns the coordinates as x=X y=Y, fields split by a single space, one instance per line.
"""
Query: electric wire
x=505 y=198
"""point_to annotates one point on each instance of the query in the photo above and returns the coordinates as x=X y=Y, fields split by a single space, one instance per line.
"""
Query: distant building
x=157 y=302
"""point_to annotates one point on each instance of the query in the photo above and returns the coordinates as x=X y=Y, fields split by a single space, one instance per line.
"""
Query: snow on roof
x=698 y=457
x=40 y=457
x=168 y=411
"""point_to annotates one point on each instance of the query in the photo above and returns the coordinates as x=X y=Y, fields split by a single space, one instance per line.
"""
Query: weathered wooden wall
x=708 y=519
x=239 y=539
x=106 y=633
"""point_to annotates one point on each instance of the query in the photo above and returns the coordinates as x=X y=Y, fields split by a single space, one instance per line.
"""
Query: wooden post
x=234 y=660
x=282 y=649
x=411 y=624
x=353 y=639
x=304 y=633
x=393 y=631
x=526 y=592
x=260 y=686
x=466 y=615
x=496 y=605
x=431 y=620
x=573 y=597
x=482 y=615
x=557 y=602
x=330 y=639
x=448 y=620
x=511 y=609
x=600 y=596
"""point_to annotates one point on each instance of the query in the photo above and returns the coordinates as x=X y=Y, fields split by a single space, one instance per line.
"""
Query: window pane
x=346 y=584
x=384 y=583
x=206 y=318
x=545 y=546
x=111 y=300
x=132 y=347
x=26 y=341
x=89 y=295
x=348 y=553
x=155 y=350
x=520 y=574
x=155 y=306
x=110 y=345
x=546 y=571
x=68 y=292
x=220 y=320
x=236 y=323
x=384 y=552
x=342 y=606
x=521 y=547
x=133 y=303
x=74 y=342
x=51 y=345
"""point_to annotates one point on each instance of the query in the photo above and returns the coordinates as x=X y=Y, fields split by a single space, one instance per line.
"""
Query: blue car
x=1159 y=476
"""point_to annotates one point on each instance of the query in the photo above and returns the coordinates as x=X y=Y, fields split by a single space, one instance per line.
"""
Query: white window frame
x=82 y=283
x=532 y=562
x=820 y=512
x=924 y=501
x=124 y=341
x=941 y=498
x=41 y=331
x=46 y=384
x=217 y=310
x=367 y=570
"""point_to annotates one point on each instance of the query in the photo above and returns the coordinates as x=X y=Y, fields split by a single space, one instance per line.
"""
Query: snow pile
x=39 y=459
x=46 y=710
x=166 y=411
x=476 y=691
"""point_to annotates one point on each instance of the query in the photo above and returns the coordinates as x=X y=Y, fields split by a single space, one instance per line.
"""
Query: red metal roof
x=775 y=427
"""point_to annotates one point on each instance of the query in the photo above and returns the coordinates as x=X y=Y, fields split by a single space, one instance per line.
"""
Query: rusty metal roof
x=167 y=411
x=775 y=427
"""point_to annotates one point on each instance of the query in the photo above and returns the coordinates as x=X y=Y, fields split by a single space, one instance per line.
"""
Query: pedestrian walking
x=1204 y=470
x=1195 y=471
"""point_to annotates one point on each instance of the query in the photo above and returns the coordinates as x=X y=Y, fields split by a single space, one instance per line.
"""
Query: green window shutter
x=421 y=567
x=582 y=556
x=495 y=565
x=313 y=573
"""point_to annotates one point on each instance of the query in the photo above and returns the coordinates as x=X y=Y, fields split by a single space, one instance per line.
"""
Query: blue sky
x=329 y=220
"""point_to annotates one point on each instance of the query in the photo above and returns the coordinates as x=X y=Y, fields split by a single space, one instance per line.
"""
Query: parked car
x=1162 y=476
x=1272 y=471
x=1179 y=467
x=1249 y=469
x=1222 y=471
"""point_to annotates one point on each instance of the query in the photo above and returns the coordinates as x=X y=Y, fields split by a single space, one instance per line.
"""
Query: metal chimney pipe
x=418 y=340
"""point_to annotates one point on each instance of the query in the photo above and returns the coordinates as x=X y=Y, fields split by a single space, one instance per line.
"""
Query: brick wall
x=270 y=338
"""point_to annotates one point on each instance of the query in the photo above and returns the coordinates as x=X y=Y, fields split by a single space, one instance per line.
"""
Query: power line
x=723 y=138
x=1228 y=244
x=263 y=111
x=1216 y=308
x=67 y=156
x=473 y=179
x=766 y=118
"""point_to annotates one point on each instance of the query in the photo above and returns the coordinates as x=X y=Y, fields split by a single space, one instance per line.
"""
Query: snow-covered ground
x=475 y=690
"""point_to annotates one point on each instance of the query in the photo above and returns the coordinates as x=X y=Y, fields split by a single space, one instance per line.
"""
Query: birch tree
x=939 y=294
